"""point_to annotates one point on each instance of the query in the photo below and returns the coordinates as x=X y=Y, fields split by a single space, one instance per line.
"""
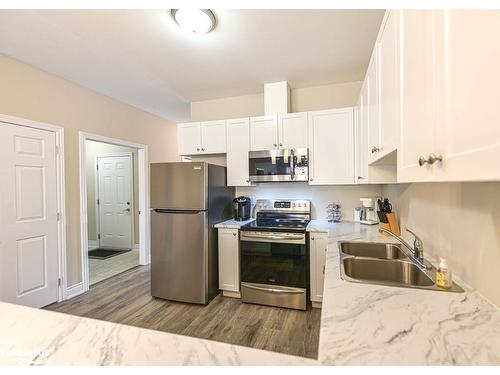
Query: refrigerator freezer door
x=181 y=186
x=179 y=245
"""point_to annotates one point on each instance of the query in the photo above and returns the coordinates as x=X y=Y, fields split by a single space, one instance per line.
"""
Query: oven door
x=279 y=165
x=274 y=268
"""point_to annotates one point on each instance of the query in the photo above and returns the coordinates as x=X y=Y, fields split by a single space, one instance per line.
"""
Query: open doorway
x=114 y=200
x=112 y=212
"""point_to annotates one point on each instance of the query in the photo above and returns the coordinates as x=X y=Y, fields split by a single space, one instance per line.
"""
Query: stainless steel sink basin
x=373 y=250
x=387 y=272
x=385 y=264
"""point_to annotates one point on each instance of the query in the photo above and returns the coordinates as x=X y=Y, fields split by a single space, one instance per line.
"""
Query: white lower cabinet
x=229 y=262
x=318 y=243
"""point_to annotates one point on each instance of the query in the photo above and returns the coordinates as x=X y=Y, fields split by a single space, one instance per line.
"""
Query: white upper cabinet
x=264 y=133
x=468 y=113
x=208 y=137
x=373 y=109
x=189 y=138
x=361 y=136
x=388 y=82
x=292 y=129
x=238 y=145
x=418 y=94
x=213 y=137
x=331 y=147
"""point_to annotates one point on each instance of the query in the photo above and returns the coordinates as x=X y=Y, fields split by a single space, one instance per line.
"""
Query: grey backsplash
x=320 y=196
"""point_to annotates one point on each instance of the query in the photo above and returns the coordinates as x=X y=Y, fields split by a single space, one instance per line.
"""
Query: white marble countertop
x=30 y=336
x=233 y=224
x=363 y=324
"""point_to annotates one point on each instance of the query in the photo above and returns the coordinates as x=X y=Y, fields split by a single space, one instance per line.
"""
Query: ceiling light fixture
x=194 y=21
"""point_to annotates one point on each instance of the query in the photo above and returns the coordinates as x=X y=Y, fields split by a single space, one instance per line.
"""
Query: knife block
x=392 y=224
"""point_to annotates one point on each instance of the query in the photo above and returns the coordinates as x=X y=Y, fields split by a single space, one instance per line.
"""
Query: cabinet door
x=189 y=138
x=213 y=137
x=388 y=81
x=373 y=108
x=361 y=136
x=331 y=147
x=468 y=120
x=263 y=133
x=317 y=246
x=238 y=145
x=229 y=278
x=418 y=96
x=293 y=130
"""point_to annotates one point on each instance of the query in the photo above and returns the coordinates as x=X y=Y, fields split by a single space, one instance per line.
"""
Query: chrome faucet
x=416 y=252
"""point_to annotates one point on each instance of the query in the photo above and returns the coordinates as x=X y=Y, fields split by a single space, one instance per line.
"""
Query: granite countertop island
x=361 y=324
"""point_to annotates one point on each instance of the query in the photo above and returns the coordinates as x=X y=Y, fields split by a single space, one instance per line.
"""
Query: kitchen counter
x=363 y=324
x=39 y=337
x=233 y=224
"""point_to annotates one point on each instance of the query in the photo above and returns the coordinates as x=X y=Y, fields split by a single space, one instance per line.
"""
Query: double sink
x=385 y=264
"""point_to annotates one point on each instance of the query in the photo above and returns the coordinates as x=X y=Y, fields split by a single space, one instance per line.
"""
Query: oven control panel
x=290 y=205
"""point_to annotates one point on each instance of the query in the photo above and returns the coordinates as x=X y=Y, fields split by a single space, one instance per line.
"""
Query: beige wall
x=458 y=221
x=92 y=149
x=33 y=94
x=303 y=99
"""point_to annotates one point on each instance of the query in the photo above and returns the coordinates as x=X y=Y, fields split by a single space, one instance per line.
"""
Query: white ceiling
x=141 y=57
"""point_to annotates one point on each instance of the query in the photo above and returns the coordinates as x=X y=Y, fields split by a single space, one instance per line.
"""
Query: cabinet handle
x=430 y=160
x=202 y=149
x=248 y=181
x=281 y=144
x=310 y=179
x=360 y=177
x=275 y=145
x=197 y=149
x=323 y=270
x=375 y=149
x=312 y=238
x=234 y=234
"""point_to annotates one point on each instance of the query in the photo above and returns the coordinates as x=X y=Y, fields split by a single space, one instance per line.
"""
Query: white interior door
x=115 y=201
x=28 y=216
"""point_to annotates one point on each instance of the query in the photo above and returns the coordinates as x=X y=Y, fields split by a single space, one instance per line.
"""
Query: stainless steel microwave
x=279 y=165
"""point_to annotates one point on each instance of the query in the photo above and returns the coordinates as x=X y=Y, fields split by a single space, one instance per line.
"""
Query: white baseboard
x=74 y=290
x=93 y=245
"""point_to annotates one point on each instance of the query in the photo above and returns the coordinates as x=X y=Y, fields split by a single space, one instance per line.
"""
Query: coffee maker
x=367 y=213
x=242 y=208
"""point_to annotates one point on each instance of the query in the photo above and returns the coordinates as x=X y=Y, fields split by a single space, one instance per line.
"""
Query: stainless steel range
x=274 y=259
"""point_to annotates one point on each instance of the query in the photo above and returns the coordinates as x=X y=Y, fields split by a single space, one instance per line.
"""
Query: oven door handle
x=274 y=237
x=274 y=290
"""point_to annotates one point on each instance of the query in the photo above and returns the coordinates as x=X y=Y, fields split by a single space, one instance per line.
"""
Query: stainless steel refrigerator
x=187 y=200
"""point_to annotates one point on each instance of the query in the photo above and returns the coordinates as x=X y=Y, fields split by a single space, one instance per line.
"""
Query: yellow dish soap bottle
x=443 y=275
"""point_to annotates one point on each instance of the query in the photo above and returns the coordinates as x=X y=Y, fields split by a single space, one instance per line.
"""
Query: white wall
x=458 y=221
x=320 y=196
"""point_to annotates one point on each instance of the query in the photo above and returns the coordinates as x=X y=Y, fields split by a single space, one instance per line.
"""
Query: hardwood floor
x=126 y=299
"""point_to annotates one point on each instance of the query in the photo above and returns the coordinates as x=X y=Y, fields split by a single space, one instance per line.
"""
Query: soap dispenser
x=443 y=275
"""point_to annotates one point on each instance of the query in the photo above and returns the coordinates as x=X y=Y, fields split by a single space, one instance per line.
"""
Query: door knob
x=128 y=203
x=127 y=210
x=430 y=160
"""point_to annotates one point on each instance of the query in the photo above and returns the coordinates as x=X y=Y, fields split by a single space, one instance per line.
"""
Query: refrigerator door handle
x=168 y=211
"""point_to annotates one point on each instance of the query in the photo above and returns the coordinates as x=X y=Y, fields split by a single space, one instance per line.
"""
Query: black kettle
x=242 y=207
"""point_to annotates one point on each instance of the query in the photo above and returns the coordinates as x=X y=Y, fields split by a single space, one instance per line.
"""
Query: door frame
x=144 y=200
x=60 y=193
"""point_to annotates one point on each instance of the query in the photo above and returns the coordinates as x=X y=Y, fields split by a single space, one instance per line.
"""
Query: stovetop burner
x=289 y=216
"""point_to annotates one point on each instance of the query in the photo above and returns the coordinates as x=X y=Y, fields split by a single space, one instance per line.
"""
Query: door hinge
x=99 y=236
x=98 y=201
x=59 y=282
x=58 y=216
x=97 y=166
x=58 y=150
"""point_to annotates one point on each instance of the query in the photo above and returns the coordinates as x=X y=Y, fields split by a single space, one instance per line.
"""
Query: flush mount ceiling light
x=194 y=21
